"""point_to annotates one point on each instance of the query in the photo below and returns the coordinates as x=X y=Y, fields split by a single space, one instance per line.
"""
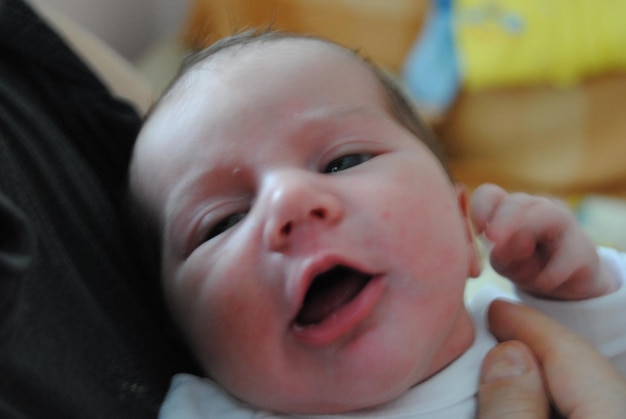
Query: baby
x=315 y=249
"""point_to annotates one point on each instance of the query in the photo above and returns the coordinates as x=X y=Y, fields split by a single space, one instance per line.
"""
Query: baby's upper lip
x=316 y=270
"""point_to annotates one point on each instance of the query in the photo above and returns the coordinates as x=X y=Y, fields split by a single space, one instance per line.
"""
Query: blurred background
x=131 y=27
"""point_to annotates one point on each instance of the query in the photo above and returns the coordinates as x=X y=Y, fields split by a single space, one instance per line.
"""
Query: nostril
x=286 y=228
x=318 y=213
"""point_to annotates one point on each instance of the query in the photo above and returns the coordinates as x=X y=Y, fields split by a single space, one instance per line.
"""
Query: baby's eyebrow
x=338 y=113
x=322 y=123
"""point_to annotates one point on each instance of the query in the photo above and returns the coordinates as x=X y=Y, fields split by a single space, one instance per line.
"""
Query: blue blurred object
x=431 y=71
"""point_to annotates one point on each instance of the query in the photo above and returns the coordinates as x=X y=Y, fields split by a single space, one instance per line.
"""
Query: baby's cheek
x=203 y=304
x=234 y=318
x=223 y=336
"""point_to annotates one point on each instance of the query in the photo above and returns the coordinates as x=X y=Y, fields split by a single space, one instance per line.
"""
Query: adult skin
x=580 y=382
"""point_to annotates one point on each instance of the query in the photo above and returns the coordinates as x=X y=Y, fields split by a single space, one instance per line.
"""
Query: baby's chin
x=366 y=373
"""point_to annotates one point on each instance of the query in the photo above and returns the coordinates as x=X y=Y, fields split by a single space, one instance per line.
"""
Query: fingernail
x=504 y=361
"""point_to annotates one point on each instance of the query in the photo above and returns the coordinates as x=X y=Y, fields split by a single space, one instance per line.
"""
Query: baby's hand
x=539 y=245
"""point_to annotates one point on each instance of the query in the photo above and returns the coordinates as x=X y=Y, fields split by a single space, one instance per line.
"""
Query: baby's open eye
x=224 y=224
x=346 y=162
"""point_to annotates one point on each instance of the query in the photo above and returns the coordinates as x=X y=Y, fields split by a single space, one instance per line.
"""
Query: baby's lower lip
x=343 y=320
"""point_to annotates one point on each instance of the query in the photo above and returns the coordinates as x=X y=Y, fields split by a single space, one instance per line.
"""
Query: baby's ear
x=474 y=262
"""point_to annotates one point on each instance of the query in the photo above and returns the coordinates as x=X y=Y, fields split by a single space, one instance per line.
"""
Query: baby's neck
x=459 y=340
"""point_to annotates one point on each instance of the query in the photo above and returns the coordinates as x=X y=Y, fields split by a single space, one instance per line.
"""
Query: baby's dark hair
x=400 y=106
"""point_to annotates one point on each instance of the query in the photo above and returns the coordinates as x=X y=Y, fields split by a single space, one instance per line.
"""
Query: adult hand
x=580 y=383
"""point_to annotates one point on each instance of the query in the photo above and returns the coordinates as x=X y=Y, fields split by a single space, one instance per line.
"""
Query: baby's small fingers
x=526 y=233
x=484 y=202
x=572 y=269
x=528 y=215
x=517 y=258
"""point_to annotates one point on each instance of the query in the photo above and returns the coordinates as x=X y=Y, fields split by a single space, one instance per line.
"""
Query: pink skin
x=251 y=131
x=538 y=244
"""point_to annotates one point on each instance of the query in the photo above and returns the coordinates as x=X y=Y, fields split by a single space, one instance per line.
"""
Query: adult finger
x=581 y=382
x=511 y=385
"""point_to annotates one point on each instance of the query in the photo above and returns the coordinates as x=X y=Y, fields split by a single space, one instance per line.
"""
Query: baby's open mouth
x=328 y=292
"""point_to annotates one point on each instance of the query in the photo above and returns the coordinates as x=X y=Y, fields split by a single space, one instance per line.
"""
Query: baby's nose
x=297 y=202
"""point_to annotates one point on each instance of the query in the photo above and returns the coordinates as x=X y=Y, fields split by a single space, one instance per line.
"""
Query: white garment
x=451 y=393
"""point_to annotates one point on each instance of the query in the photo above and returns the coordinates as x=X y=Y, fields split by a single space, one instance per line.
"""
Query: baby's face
x=315 y=252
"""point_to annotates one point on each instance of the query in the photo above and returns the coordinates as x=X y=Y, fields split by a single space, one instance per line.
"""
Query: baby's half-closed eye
x=346 y=162
x=224 y=224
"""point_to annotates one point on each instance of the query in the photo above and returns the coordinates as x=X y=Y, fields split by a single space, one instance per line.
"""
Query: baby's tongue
x=328 y=293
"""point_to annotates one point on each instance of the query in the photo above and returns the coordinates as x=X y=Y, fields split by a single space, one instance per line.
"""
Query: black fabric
x=80 y=333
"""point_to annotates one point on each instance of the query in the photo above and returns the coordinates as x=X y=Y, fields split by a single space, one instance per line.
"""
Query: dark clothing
x=80 y=331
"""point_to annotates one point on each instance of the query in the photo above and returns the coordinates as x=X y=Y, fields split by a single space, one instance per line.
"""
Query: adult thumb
x=511 y=385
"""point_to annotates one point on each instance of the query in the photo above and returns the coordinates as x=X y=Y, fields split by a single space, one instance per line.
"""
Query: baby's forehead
x=284 y=72
x=278 y=53
x=237 y=61
x=258 y=65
